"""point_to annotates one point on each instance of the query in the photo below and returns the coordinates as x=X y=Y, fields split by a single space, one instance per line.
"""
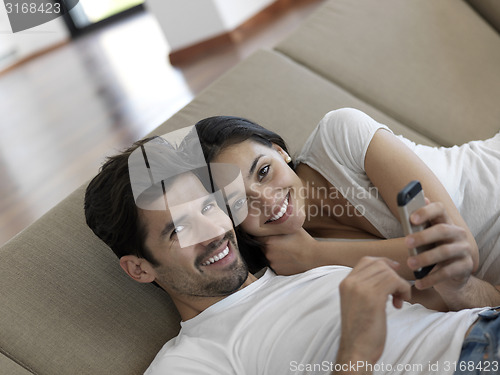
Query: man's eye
x=239 y=204
x=208 y=207
x=263 y=172
x=176 y=230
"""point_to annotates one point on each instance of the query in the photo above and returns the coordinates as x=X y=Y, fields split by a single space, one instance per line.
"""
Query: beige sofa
x=428 y=69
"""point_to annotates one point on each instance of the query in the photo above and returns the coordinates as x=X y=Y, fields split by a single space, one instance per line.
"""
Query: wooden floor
x=63 y=112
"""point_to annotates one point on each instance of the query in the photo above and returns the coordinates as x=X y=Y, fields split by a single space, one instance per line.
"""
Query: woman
x=344 y=186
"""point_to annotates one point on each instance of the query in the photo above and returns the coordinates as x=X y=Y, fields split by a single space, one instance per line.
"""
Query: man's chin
x=215 y=290
x=237 y=275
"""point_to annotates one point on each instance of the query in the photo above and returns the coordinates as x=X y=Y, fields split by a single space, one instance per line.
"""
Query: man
x=164 y=214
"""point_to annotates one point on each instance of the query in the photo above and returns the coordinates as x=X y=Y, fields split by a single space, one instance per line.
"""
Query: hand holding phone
x=410 y=199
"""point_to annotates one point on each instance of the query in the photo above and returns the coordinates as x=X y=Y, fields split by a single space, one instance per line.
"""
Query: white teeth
x=282 y=211
x=217 y=257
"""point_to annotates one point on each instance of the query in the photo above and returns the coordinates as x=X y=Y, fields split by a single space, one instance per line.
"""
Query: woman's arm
x=298 y=252
x=390 y=165
x=448 y=286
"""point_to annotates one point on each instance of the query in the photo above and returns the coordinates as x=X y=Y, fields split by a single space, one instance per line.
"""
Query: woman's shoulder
x=342 y=135
x=348 y=129
x=349 y=123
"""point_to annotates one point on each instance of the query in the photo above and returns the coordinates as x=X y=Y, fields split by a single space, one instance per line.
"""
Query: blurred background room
x=88 y=84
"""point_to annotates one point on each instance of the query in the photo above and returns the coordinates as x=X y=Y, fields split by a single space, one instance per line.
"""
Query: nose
x=211 y=228
x=211 y=231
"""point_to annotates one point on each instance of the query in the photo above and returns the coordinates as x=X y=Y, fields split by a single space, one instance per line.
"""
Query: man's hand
x=363 y=294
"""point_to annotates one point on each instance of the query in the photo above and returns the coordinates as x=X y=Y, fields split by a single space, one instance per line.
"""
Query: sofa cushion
x=276 y=92
x=432 y=65
x=66 y=306
x=10 y=367
x=489 y=9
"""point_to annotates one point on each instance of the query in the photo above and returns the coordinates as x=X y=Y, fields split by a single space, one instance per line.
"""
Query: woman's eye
x=263 y=172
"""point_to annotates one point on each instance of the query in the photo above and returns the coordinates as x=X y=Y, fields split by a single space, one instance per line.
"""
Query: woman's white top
x=470 y=173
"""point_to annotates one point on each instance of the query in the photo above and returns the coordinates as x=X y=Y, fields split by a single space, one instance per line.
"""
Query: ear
x=283 y=153
x=137 y=268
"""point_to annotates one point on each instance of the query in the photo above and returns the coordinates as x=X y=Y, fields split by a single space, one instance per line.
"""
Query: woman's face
x=275 y=205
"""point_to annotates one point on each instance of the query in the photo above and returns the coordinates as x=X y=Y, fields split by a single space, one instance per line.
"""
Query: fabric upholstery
x=277 y=93
x=67 y=307
x=432 y=65
x=9 y=367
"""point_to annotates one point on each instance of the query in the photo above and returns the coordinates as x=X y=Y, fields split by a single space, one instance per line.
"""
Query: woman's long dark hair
x=216 y=134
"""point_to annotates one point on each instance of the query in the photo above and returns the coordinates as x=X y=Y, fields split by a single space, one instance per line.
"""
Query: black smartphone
x=410 y=199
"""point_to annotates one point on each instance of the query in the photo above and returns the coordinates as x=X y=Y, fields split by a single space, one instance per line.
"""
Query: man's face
x=194 y=243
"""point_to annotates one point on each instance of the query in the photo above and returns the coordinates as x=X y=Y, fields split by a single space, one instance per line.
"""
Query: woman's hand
x=452 y=253
x=452 y=276
x=289 y=254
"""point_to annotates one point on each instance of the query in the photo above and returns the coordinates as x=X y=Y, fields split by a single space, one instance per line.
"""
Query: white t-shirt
x=291 y=325
x=470 y=173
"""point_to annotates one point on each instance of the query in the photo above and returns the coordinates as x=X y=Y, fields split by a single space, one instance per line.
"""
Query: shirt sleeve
x=343 y=136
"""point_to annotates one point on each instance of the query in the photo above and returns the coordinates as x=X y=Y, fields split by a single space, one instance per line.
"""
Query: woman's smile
x=271 y=187
x=284 y=212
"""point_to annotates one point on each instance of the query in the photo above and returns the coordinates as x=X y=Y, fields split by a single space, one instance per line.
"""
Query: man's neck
x=189 y=306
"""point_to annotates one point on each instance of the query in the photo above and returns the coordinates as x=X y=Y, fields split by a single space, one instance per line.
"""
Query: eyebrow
x=233 y=194
x=254 y=165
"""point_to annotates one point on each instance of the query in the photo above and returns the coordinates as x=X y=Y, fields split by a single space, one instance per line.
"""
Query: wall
x=188 y=22
x=234 y=13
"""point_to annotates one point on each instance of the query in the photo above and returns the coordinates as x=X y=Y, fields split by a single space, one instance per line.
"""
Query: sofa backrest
x=432 y=65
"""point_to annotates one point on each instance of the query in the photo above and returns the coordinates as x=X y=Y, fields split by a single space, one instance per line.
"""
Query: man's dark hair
x=110 y=209
x=110 y=206
x=216 y=134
